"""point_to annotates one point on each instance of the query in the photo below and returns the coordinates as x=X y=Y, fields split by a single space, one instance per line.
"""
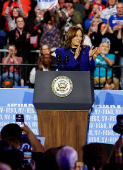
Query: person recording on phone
x=75 y=56
x=12 y=133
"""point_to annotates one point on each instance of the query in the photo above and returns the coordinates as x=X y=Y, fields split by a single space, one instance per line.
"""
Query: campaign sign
x=47 y=4
x=26 y=145
x=108 y=104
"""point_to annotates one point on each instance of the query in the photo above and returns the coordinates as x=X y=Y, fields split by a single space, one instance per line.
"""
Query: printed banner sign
x=108 y=104
x=47 y=4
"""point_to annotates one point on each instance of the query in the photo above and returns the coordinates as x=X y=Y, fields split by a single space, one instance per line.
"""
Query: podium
x=62 y=100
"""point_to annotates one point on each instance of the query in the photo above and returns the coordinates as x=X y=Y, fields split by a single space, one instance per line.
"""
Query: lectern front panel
x=81 y=97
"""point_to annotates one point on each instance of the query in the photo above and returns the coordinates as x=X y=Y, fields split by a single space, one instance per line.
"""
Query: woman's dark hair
x=99 y=26
x=94 y=155
x=71 y=33
x=48 y=16
x=49 y=161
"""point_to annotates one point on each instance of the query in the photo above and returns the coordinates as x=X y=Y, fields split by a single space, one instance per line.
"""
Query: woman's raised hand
x=77 y=53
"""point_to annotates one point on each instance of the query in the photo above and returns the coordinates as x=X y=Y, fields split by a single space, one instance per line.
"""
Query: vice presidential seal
x=62 y=86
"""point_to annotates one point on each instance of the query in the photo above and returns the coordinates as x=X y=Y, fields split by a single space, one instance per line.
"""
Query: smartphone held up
x=20 y=120
x=27 y=157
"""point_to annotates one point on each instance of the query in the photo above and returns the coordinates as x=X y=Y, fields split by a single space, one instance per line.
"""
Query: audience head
x=101 y=26
x=98 y=1
x=38 y=11
x=75 y=1
x=12 y=50
x=10 y=158
x=73 y=33
x=45 y=49
x=119 y=9
x=47 y=60
x=61 y=3
x=111 y=3
x=68 y=4
x=20 y=22
x=96 y=21
x=95 y=9
x=15 y=12
x=50 y=159
x=49 y=17
x=13 y=134
x=105 y=46
x=66 y=158
x=108 y=85
x=94 y=156
x=79 y=25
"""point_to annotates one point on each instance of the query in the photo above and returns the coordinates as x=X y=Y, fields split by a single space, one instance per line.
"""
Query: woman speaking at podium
x=75 y=56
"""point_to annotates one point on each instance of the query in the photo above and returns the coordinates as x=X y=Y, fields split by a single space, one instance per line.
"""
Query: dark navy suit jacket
x=82 y=63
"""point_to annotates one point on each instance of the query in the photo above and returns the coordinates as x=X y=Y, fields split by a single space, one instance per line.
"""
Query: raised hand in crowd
x=17 y=35
x=39 y=13
x=118 y=26
x=35 y=143
x=57 y=7
x=92 y=52
x=98 y=51
x=118 y=152
x=70 y=12
x=104 y=49
x=32 y=165
x=11 y=55
x=28 y=35
x=58 y=10
x=91 y=30
x=98 y=13
x=107 y=29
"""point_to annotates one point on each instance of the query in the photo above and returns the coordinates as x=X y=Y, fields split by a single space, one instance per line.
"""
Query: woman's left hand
x=77 y=53
x=92 y=51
